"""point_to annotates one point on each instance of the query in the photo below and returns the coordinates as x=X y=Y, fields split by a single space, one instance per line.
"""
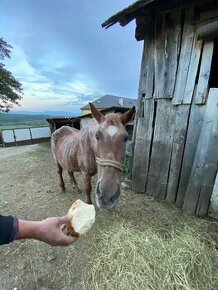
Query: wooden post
x=31 y=137
x=14 y=137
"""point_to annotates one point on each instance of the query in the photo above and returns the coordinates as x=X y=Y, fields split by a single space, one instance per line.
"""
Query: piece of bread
x=82 y=217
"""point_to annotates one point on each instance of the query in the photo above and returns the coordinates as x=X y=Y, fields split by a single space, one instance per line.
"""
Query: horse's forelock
x=113 y=119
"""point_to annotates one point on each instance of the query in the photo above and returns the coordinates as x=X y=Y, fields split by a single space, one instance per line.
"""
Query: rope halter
x=107 y=162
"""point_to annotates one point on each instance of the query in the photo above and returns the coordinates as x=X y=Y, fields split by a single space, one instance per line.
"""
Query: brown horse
x=98 y=148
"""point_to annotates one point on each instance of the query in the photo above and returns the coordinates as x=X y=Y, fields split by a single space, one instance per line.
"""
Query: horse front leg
x=88 y=187
x=60 y=170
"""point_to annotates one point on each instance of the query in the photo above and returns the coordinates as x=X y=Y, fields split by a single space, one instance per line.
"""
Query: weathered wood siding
x=176 y=137
x=213 y=211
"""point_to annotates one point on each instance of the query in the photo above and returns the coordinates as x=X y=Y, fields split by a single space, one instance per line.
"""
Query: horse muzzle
x=106 y=201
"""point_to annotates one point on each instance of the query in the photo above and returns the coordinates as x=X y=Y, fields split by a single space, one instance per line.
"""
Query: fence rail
x=24 y=136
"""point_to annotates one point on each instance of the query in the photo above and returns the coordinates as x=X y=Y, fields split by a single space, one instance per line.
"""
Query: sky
x=62 y=55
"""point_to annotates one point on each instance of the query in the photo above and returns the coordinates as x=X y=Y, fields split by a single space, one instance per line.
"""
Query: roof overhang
x=128 y=14
x=146 y=7
x=64 y=120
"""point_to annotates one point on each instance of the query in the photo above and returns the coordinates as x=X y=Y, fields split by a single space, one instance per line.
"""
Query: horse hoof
x=63 y=189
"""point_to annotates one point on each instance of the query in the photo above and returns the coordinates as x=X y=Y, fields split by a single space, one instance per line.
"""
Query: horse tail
x=53 y=148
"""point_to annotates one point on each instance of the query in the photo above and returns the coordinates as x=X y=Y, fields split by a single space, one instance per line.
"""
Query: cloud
x=43 y=90
x=61 y=53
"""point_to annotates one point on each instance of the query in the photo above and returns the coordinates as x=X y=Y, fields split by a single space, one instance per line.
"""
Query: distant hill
x=21 y=120
x=48 y=113
x=24 y=119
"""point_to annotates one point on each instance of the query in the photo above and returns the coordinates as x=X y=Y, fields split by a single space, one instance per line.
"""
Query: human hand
x=48 y=231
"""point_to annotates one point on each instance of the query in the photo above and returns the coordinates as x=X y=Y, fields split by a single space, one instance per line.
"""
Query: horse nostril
x=115 y=197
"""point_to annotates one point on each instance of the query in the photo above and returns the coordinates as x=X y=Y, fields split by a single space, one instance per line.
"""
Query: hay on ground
x=128 y=258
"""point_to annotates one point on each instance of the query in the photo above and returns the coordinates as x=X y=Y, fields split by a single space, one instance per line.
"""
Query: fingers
x=71 y=231
x=67 y=229
x=66 y=240
x=63 y=227
x=64 y=219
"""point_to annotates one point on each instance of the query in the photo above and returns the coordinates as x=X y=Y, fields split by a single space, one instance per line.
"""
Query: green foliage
x=126 y=165
x=10 y=88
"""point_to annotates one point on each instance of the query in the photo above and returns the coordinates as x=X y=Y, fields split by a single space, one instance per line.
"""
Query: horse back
x=64 y=142
x=63 y=133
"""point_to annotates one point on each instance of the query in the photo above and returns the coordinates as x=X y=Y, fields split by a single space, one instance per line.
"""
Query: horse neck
x=86 y=138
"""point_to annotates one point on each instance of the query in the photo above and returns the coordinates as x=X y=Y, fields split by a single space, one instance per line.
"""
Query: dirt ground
x=29 y=190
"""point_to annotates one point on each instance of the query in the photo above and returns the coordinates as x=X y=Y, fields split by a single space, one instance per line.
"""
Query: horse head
x=109 y=143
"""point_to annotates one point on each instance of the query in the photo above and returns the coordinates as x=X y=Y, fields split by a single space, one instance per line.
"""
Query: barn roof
x=108 y=101
x=107 y=110
x=140 y=7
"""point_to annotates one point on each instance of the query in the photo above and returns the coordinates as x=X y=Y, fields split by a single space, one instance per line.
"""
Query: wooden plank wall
x=203 y=171
x=187 y=40
x=193 y=132
x=176 y=125
x=161 y=149
x=202 y=86
x=143 y=145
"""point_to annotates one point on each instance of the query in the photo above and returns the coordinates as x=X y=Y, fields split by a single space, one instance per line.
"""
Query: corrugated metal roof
x=107 y=110
x=108 y=101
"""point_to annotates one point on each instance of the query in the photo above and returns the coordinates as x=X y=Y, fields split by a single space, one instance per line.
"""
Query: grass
x=128 y=258
x=41 y=150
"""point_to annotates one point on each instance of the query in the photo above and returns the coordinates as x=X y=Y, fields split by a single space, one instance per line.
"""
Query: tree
x=10 y=88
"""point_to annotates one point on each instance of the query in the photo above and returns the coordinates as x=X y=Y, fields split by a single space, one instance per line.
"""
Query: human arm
x=48 y=231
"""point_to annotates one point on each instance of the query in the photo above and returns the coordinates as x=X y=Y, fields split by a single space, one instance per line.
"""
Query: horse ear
x=126 y=117
x=96 y=113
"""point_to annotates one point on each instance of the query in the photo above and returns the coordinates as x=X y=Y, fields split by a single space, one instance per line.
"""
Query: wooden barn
x=57 y=122
x=176 y=127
